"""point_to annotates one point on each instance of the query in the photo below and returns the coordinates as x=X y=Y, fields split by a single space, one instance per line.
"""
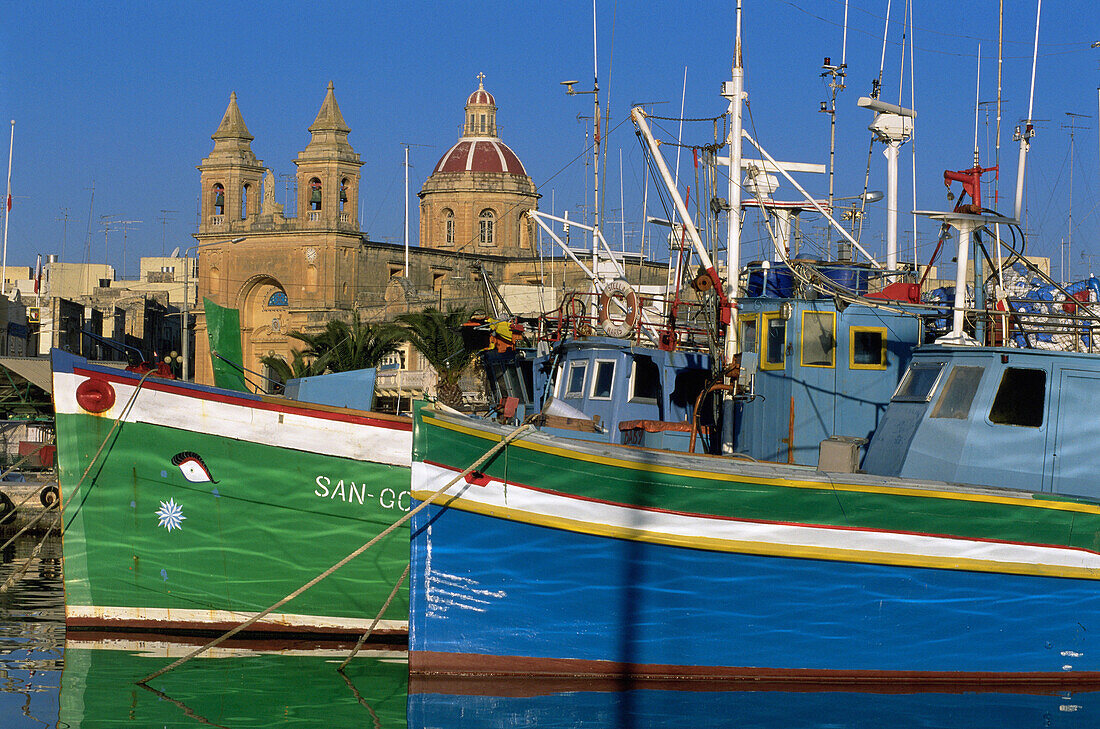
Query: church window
x=449 y=226
x=486 y=220
x=219 y=199
x=246 y=191
x=396 y=270
x=278 y=298
x=314 y=194
x=343 y=192
x=483 y=123
x=437 y=281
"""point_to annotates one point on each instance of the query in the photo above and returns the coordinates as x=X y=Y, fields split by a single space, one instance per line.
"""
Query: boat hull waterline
x=205 y=507
x=564 y=558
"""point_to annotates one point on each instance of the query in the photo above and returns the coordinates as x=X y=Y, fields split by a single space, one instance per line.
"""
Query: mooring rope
x=30 y=560
x=521 y=430
x=378 y=617
x=28 y=497
x=32 y=522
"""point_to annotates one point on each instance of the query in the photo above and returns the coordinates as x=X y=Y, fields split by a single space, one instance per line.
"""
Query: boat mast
x=735 y=92
x=7 y=213
x=1023 y=136
x=596 y=147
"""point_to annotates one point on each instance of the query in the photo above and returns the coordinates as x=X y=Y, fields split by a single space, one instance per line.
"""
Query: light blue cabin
x=1014 y=418
x=818 y=371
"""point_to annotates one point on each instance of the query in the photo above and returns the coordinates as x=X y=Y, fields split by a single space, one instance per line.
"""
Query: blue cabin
x=1016 y=418
x=606 y=389
x=818 y=371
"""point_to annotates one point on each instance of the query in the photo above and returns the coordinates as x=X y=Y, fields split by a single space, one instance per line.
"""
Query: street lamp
x=185 y=328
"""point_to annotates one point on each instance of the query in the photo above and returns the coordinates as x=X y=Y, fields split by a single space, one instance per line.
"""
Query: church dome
x=481 y=97
x=480 y=155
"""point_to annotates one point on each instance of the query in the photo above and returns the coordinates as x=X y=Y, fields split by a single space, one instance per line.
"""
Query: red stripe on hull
x=320 y=411
x=480 y=672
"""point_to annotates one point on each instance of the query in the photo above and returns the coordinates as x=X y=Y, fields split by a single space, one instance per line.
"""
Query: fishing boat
x=962 y=548
x=193 y=508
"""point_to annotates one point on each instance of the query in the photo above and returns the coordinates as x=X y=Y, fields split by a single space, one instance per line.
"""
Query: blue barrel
x=851 y=276
x=774 y=282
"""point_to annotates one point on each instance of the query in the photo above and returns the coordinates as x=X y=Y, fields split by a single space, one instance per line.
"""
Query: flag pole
x=7 y=213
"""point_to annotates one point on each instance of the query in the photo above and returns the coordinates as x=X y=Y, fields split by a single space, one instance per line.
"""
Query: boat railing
x=646 y=319
x=1026 y=323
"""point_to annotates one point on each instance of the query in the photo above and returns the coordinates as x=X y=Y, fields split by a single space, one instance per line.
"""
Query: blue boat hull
x=500 y=595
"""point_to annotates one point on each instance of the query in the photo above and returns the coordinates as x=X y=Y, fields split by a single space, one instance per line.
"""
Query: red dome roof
x=480 y=155
x=481 y=96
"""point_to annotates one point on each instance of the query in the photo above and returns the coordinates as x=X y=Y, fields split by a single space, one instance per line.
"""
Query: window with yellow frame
x=867 y=348
x=773 y=341
x=819 y=339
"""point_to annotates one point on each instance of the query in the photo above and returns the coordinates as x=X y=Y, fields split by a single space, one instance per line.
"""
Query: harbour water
x=50 y=679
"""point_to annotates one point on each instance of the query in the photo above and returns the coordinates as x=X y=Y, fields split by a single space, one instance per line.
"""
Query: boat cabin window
x=868 y=348
x=604 y=379
x=958 y=393
x=775 y=342
x=919 y=382
x=512 y=381
x=574 y=382
x=818 y=339
x=645 y=380
x=748 y=334
x=1020 y=398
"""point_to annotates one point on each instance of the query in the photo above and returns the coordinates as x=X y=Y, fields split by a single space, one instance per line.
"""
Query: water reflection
x=32 y=633
x=253 y=684
x=237 y=685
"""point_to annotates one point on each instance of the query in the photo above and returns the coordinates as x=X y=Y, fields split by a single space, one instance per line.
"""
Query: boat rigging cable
x=514 y=435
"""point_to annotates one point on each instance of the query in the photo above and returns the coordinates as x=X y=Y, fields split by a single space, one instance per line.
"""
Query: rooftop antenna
x=125 y=229
x=164 y=220
x=88 y=232
x=1023 y=135
x=64 y=230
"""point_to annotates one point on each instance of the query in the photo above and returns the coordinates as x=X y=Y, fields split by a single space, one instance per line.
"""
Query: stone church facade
x=296 y=273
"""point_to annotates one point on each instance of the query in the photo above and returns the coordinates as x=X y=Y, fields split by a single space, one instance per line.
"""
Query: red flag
x=38 y=274
x=9 y=201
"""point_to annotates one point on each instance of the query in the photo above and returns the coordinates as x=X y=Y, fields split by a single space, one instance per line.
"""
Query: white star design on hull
x=171 y=515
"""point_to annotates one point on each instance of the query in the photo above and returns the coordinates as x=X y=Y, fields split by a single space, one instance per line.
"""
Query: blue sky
x=126 y=95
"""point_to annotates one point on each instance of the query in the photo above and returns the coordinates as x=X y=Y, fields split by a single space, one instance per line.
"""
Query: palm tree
x=438 y=337
x=339 y=347
x=283 y=370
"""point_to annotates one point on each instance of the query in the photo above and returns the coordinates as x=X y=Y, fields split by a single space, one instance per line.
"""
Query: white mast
x=1024 y=136
x=7 y=213
x=735 y=92
x=407 y=212
x=596 y=147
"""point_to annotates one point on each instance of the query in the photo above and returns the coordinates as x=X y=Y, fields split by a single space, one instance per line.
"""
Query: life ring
x=620 y=299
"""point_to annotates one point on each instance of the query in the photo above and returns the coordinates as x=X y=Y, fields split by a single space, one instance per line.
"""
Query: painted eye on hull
x=192 y=467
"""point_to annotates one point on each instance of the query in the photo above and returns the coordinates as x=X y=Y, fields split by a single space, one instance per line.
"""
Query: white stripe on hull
x=748 y=536
x=360 y=442
x=198 y=618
